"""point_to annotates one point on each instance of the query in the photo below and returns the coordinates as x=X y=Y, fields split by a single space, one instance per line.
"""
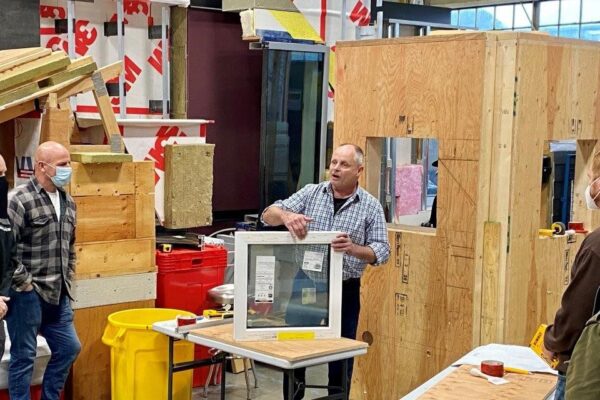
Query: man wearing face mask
x=43 y=219
x=7 y=252
x=577 y=304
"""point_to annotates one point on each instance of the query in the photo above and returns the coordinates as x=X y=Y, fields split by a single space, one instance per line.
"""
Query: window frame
x=240 y=318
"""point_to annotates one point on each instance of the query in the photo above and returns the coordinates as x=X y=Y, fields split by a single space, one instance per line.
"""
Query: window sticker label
x=265 y=279
x=313 y=261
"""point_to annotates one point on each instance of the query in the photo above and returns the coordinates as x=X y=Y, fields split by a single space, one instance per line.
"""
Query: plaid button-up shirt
x=361 y=217
x=45 y=245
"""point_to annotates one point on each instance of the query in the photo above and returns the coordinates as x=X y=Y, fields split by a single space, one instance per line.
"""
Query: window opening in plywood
x=558 y=177
x=402 y=173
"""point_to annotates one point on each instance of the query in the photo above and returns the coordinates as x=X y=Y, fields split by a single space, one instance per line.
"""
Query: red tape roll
x=183 y=320
x=493 y=368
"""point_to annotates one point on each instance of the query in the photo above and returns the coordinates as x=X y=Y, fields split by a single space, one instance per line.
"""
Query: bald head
x=48 y=152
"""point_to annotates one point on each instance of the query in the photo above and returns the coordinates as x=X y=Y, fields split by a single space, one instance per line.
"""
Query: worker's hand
x=342 y=243
x=28 y=288
x=548 y=355
x=297 y=224
x=3 y=306
x=2 y=166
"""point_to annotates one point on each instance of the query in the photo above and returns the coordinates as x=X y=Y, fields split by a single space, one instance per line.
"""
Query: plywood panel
x=585 y=90
x=120 y=257
x=492 y=299
x=102 y=179
x=460 y=385
x=526 y=172
x=91 y=372
x=144 y=177
x=555 y=87
x=105 y=218
x=289 y=350
x=457 y=196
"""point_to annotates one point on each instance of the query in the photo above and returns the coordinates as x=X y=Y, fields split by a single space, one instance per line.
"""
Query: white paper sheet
x=512 y=356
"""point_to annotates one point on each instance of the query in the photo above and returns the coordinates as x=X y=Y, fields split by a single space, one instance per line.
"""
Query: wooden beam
x=109 y=122
x=18 y=93
x=33 y=70
x=97 y=158
x=16 y=111
x=91 y=148
x=107 y=72
x=84 y=66
x=41 y=93
x=16 y=57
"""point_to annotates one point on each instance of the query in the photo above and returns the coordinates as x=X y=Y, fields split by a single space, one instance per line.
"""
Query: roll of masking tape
x=493 y=368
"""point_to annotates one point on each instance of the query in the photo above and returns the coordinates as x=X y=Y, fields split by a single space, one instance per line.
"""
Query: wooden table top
x=289 y=350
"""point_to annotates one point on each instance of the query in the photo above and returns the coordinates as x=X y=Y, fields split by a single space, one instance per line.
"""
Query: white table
x=286 y=355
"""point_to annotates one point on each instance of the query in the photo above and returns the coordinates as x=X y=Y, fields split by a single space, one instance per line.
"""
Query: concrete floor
x=269 y=385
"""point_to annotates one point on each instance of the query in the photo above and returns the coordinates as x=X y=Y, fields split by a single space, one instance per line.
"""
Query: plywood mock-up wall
x=484 y=275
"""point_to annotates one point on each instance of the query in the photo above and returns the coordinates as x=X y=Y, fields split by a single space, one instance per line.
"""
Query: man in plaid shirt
x=43 y=219
x=339 y=204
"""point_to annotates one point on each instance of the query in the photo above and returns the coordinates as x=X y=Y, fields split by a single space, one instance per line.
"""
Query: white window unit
x=286 y=288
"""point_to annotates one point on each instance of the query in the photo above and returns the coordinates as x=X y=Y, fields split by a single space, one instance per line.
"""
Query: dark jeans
x=350 y=312
x=559 y=394
x=27 y=315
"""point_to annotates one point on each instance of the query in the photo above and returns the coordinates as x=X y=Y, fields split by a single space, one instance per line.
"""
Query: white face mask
x=589 y=200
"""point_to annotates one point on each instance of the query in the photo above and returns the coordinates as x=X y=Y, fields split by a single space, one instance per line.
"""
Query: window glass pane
x=549 y=12
x=523 y=14
x=288 y=285
x=485 y=18
x=570 y=31
x=590 y=11
x=590 y=32
x=552 y=30
x=569 y=11
x=466 y=17
x=528 y=29
x=454 y=17
x=504 y=17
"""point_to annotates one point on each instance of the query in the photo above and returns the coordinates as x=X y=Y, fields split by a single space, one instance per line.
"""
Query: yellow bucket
x=139 y=356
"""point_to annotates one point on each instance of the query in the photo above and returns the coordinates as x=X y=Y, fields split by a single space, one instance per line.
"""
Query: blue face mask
x=62 y=176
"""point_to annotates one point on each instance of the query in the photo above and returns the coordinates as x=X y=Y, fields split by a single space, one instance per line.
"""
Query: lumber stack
x=36 y=77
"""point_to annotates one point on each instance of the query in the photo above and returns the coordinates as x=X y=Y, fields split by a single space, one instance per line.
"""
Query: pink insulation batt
x=408 y=189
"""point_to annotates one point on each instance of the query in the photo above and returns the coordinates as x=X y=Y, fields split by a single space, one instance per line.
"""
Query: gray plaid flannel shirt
x=361 y=217
x=45 y=246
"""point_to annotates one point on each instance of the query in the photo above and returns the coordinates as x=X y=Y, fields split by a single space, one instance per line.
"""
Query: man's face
x=344 y=171
x=55 y=159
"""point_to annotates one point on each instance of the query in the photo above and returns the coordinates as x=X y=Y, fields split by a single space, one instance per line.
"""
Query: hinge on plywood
x=401 y=306
x=405 y=267
x=398 y=250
